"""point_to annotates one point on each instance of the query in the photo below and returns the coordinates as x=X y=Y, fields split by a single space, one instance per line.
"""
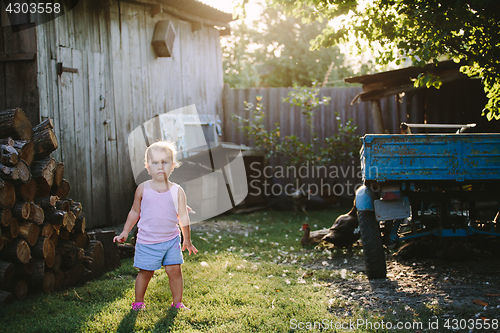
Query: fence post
x=378 y=122
x=226 y=110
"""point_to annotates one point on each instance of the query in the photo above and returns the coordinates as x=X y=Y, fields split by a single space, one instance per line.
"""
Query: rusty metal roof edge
x=411 y=71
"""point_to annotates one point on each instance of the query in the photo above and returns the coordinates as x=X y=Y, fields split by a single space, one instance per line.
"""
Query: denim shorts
x=151 y=257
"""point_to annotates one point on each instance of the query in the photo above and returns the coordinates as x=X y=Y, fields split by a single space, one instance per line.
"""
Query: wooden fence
x=292 y=122
x=290 y=119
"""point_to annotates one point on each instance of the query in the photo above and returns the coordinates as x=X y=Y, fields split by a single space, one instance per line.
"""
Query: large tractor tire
x=373 y=248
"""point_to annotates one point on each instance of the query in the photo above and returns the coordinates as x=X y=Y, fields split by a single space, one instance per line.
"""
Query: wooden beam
x=17 y=57
x=225 y=32
x=444 y=68
x=61 y=69
x=195 y=26
x=376 y=94
x=155 y=9
x=378 y=121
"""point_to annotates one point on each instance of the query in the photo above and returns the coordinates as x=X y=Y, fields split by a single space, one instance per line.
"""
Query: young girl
x=159 y=205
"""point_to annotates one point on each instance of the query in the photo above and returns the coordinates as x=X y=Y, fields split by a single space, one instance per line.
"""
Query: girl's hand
x=190 y=247
x=121 y=237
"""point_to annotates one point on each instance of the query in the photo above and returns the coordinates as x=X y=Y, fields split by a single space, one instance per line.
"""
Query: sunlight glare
x=338 y=22
x=222 y=5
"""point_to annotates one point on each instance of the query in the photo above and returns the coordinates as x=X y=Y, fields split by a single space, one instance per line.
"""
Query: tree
x=467 y=31
x=275 y=52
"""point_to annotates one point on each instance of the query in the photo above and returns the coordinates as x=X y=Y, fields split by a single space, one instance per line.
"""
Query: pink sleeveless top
x=158 y=219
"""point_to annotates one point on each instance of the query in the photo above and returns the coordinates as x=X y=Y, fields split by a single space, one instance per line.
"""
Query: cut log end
x=45 y=143
x=7 y=194
x=5 y=217
x=46 y=124
x=44 y=169
x=23 y=252
x=59 y=174
x=61 y=191
x=48 y=202
x=36 y=213
x=15 y=123
x=29 y=231
x=95 y=250
x=20 y=289
x=43 y=248
x=21 y=210
x=17 y=250
x=26 y=150
x=56 y=217
x=23 y=170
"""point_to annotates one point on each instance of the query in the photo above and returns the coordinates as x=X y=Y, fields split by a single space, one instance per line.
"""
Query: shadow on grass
x=86 y=303
x=165 y=324
x=128 y=322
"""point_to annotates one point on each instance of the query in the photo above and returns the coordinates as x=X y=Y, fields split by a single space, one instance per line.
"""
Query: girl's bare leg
x=141 y=284
x=175 y=281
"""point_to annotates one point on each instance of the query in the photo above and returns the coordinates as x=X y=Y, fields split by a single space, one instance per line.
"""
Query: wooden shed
x=97 y=74
x=460 y=99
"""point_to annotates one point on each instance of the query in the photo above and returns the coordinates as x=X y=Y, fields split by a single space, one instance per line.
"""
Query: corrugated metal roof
x=200 y=9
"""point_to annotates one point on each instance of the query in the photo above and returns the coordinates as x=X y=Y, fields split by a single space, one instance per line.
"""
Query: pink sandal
x=179 y=305
x=138 y=306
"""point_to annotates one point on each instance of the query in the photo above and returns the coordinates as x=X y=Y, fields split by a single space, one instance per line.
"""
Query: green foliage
x=253 y=126
x=335 y=150
x=342 y=147
x=467 y=31
x=306 y=99
x=428 y=80
x=275 y=52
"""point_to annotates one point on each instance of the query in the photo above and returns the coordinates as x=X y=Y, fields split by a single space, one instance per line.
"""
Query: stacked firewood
x=43 y=242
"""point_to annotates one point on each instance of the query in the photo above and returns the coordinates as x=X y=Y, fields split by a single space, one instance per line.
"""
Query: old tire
x=372 y=245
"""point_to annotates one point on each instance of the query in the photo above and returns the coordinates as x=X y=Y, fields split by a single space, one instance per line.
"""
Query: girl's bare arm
x=184 y=223
x=133 y=215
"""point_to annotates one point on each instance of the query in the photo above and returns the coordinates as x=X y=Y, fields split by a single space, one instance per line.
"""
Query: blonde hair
x=166 y=146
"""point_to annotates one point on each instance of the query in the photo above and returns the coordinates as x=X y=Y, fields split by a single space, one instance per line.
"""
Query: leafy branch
x=423 y=31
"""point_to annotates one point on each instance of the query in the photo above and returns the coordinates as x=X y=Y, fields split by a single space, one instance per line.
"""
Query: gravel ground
x=454 y=287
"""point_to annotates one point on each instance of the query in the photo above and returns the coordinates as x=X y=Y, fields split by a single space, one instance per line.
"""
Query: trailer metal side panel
x=459 y=157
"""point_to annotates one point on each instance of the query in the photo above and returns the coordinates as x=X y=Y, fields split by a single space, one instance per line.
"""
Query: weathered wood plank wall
x=119 y=85
x=146 y=86
x=18 y=76
x=74 y=101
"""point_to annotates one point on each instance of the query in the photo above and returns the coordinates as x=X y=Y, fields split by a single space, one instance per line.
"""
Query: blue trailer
x=425 y=185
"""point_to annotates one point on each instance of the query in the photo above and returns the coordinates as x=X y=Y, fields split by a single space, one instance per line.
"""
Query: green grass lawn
x=245 y=280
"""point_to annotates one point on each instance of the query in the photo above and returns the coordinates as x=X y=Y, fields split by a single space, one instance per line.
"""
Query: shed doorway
x=86 y=127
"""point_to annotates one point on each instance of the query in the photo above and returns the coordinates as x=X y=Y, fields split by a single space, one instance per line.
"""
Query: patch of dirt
x=414 y=283
x=452 y=285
